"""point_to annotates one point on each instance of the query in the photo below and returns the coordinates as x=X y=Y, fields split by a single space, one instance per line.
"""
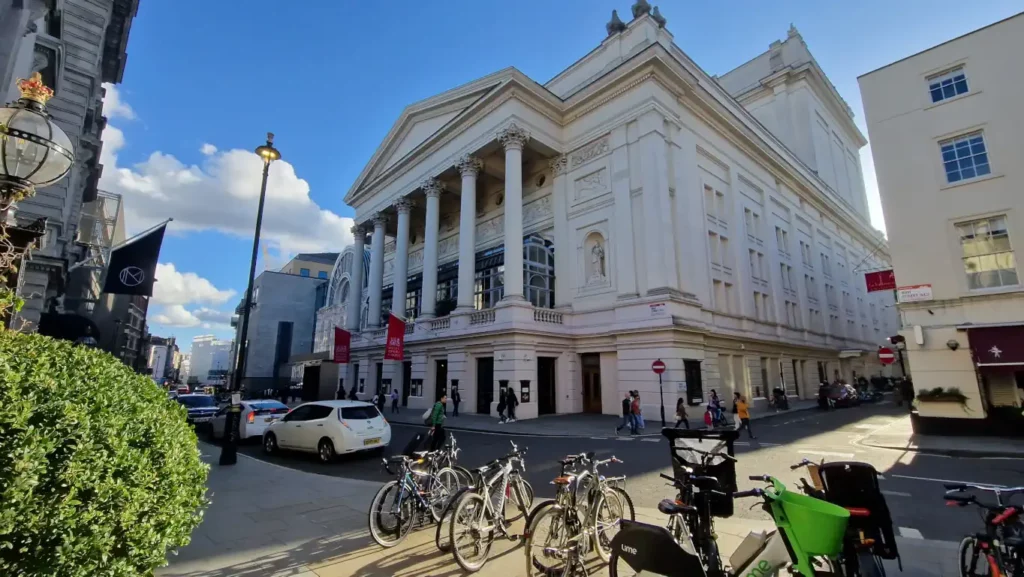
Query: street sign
x=886 y=356
x=881 y=280
x=658 y=367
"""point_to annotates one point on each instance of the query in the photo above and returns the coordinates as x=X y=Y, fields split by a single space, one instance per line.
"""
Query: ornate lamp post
x=229 y=450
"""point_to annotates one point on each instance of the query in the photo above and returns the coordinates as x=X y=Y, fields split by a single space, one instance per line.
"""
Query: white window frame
x=970 y=147
x=954 y=80
x=993 y=256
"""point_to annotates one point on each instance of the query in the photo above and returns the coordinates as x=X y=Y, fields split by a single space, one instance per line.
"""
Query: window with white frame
x=965 y=157
x=987 y=254
x=826 y=266
x=782 y=239
x=539 y=270
x=948 y=84
x=805 y=254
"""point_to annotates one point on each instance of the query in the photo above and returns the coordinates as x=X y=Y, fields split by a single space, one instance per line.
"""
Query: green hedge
x=99 y=472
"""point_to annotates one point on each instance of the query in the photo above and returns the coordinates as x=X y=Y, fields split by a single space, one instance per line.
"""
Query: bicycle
x=1002 y=542
x=415 y=494
x=475 y=518
x=805 y=528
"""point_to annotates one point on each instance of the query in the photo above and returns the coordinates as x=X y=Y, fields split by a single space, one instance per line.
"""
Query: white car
x=329 y=428
x=256 y=416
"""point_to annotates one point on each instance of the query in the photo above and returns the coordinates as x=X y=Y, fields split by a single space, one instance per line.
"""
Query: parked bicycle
x=420 y=492
x=998 y=551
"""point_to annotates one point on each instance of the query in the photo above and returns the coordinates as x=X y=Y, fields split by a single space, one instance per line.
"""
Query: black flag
x=133 y=264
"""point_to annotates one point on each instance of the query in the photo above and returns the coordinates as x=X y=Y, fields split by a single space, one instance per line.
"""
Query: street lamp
x=229 y=450
x=33 y=150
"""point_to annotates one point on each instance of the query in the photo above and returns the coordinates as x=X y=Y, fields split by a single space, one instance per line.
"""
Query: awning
x=850 y=353
x=997 y=346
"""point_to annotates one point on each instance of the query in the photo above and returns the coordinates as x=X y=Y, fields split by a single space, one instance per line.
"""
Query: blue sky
x=206 y=80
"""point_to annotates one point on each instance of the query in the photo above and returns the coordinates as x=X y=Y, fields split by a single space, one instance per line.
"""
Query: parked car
x=201 y=408
x=183 y=390
x=329 y=428
x=256 y=416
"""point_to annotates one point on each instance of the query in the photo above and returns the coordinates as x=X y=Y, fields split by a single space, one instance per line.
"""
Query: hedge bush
x=99 y=472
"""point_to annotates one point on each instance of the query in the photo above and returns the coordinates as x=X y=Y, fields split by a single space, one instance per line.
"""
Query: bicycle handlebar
x=802 y=463
x=989 y=488
x=762 y=478
x=710 y=454
x=750 y=493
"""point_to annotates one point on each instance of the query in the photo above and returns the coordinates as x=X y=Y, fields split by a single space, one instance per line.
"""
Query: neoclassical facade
x=558 y=238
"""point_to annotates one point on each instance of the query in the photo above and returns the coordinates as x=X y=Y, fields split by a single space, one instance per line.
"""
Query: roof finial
x=656 y=15
x=641 y=7
x=615 y=25
x=793 y=33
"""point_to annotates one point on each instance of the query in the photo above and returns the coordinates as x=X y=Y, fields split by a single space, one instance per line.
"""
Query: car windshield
x=362 y=412
x=269 y=406
x=198 y=401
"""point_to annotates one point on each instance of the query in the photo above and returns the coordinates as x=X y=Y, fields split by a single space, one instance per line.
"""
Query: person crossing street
x=437 y=424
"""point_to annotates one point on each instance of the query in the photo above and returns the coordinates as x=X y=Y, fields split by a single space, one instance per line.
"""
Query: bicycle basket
x=816 y=527
x=854 y=484
x=682 y=443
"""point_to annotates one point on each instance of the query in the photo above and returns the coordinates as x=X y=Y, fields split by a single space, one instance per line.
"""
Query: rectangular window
x=720 y=207
x=948 y=85
x=965 y=157
x=826 y=266
x=728 y=297
x=709 y=200
x=726 y=256
x=321 y=274
x=988 y=257
x=758 y=311
x=714 y=248
x=303 y=272
x=754 y=273
x=805 y=254
x=782 y=240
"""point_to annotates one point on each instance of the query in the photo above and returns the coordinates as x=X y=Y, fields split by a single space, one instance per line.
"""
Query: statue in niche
x=597 y=262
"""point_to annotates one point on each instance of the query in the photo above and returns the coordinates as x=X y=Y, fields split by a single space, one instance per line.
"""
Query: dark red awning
x=997 y=346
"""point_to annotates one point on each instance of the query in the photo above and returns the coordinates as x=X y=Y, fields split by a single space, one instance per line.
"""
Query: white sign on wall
x=914 y=293
x=658 y=310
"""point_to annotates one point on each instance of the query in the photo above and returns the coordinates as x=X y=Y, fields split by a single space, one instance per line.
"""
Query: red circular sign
x=658 y=367
x=886 y=356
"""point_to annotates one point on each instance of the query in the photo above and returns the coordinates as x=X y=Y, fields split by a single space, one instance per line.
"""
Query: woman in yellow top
x=742 y=412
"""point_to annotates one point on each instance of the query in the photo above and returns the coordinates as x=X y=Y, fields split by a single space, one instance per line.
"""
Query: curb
x=958 y=453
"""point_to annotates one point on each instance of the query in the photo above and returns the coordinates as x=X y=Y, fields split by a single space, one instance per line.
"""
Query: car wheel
x=269 y=443
x=325 y=449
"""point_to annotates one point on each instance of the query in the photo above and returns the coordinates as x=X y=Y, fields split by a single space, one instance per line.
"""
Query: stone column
x=564 y=277
x=513 y=138
x=355 y=288
x=433 y=190
x=469 y=167
x=401 y=278
x=376 y=271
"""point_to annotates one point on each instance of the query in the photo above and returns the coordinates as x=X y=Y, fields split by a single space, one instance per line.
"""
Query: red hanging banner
x=342 y=345
x=394 y=348
x=882 y=280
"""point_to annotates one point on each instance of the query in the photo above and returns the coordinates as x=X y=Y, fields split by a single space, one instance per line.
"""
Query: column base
x=464 y=310
x=513 y=301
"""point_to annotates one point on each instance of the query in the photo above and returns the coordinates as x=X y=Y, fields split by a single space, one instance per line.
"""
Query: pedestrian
x=742 y=413
x=352 y=394
x=627 y=413
x=456 y=399
x=634 y=408
x=380 y=401
x=394 y=401
x=376 y=399
x=681 y=413
x=510 y=405
x=716 y=406
x=501 y=406
x=709 y=417
x=640 y=424
x=437 y=424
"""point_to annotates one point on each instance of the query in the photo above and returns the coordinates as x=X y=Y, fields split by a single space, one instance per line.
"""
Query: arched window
x=539 y=271
x=343 y=292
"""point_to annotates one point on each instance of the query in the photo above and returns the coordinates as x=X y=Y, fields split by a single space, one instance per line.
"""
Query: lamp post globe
x=33 y=150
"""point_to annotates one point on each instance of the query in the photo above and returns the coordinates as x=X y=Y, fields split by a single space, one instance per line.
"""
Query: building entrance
x=484 y=385
x=591 y=367
x=545 y=385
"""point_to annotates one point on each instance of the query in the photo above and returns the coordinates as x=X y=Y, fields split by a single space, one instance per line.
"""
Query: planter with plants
x=941 y=395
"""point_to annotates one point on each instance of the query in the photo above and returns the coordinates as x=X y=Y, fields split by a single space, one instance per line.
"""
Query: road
x=911 y=482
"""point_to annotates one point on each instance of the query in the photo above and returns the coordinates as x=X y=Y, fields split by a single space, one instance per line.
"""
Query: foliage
x=940 y=395
x=444 y=307
x=10 y=256
x=99 y=472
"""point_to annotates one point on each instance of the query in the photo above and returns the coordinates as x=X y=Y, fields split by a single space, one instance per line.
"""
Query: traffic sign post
x=658 y=367
x=886 y=356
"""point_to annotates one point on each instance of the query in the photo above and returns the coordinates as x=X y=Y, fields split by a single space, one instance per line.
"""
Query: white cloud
x=208 y=149
x=113 y=106
x=181 y=288
x=221 y=195
x=178 y=316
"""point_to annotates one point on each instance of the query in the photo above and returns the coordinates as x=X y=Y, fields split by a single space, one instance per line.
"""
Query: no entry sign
x=658 y=367
x=886 y=356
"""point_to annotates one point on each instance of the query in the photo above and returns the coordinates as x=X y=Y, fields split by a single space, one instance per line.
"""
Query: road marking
x=826 y=454
x=910 y=533
x=1003 y=458
x=947 y=481
x=868 y=427
x=651 y=440
x=599 y=438
x=623 y=438
x=896 y=494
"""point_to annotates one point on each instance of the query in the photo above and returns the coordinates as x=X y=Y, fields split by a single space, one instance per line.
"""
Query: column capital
x=379 y=219
x=513 y=137
x=403 y=205
x=559 y=164
x=469 y=165
x=432 y=187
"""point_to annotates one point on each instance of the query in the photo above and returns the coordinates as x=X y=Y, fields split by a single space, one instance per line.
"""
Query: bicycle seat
x=704 y=482
x=670 y=507
x=564 y=480
x=397 y=459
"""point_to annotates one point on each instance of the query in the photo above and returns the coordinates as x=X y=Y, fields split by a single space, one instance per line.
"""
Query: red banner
x=342 y=345
x=394 y=348
x=883 y=280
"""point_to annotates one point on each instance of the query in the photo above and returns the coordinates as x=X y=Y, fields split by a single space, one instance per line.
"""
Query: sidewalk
x=900 y=436
x=576 y=424
x=267 y=520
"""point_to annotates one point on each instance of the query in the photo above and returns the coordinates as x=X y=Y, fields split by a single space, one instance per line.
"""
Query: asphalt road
x=911 y=482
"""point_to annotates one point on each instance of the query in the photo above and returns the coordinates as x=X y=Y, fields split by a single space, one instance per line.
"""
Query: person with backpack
x=501 y=406
x=437 y=424
x=511 y=402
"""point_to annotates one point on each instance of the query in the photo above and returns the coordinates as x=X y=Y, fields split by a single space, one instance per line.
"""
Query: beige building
x=946 y=130
x=314 y=264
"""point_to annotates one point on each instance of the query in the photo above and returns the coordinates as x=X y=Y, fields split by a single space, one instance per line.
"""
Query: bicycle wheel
x=465 y=475
x=472 y=532
x=536 y=511
x=550 y=547
x=442 y=535
x=972 y=563
x=444 y=484
x=390 y=521
x=612 y=506
x=520 y=499
x=869 y=565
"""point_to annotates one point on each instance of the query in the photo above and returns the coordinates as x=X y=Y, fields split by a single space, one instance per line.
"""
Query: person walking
x=627 y=413
x=640 y=424
x=681 y=413
x=501 y=406
x=437 y=424
x=376 y=399
x=634 y=409
x=456 y=399
x=716 y=406
x=742 y=413
x=511 y=403
x=394 y=400
x=381 y=399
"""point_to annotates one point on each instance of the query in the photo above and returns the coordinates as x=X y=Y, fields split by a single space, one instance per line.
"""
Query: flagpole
x=90 y=258
x=229 y=449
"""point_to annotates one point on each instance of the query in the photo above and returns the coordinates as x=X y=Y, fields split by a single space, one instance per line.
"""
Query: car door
x=290 y=430
x=218 y=422
x=313 y=427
